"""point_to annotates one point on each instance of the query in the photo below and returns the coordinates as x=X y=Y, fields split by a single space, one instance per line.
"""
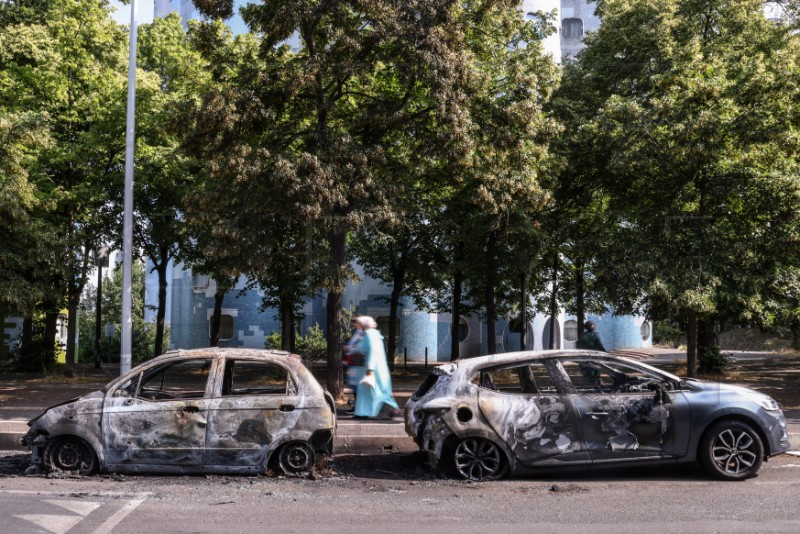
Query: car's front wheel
x=731 y=450
x=478 y=459
x=296 y=459
x=70 y=454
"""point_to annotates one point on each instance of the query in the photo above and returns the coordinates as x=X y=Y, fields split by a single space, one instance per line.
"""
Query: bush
x=712 y=360
x=312 y=346
x=667 y=334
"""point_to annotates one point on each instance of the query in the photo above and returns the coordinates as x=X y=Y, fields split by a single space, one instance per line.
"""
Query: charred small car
x=193 y=411
x=527 y=412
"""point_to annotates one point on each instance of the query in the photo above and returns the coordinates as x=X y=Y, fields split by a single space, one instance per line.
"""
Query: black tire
x=70 y=454
x=478 y=459
x=296 y=459
x=731 y=450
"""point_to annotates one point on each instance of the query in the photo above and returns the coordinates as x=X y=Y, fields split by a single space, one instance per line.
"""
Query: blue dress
x=370 y=400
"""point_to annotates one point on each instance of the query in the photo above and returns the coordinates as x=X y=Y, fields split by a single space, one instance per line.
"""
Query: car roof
x=468 y=364
x=238 y=352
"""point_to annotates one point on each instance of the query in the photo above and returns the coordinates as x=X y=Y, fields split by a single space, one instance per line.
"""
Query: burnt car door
x=256 y=403
x=158 y=417
x=539 y=424
x=627 y=412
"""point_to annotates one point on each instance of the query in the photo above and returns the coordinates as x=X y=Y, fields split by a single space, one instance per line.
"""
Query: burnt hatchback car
x=527 y=412
x=193 y=411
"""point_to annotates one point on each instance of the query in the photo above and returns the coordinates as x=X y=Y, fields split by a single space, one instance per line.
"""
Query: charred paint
x=209 y=432
x=532 y=426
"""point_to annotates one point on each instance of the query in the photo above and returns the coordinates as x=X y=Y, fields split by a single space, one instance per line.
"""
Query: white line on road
x=118 y=516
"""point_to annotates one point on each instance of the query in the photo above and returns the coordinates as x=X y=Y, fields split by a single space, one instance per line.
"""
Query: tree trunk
x=72 y=330
x=796 y=334
x=334 y=315
x=456 y=313
x=287 y=323
x=523 y=305
x=293 y=336
x=161 y=269
x=98 y=316
x=48 y=355
x=394 y=301
x=491 y=313
x=706 y=337
x=554 y=303
x=219 y=296
x=691 y=345
x=580 y=305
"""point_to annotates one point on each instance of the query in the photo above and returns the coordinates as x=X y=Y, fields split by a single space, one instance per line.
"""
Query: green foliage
x=312 y=346
x=37 y=356
x=712 y=360
x=667 y=334
x=696 y=149
x=142 y=332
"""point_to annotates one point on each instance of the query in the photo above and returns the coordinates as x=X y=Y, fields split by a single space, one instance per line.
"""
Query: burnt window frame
x=225 y=389
x=162 y=367
x=478 y=379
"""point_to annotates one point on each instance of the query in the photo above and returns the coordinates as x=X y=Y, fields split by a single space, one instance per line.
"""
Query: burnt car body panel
x=553 y=409
x=196 y=411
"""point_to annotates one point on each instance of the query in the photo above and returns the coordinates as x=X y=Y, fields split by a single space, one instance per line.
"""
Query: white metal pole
x=127 y=232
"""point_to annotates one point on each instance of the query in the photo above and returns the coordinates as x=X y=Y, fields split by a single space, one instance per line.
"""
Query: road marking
x=60 y=524
x=83 y=508
x=120 y=514
x=57 y=524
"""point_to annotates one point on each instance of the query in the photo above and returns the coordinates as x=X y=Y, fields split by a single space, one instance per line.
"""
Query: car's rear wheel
x=479 y=459
x=296 y=459
x=70 y=454
x=731 y=450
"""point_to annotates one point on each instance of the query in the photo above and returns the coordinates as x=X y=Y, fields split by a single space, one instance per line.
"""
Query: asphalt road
x=396 y=493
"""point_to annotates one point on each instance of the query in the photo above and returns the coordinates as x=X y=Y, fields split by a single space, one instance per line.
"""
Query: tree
x=706 y=87
x=62 y=59
x=21 y=135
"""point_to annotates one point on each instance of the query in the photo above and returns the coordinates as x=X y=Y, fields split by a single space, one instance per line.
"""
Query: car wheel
x=296 y=459
x=70 y=454
x=478 y=459
x=731 y=450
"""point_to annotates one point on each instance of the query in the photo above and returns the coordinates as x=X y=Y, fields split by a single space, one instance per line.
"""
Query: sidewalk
x=22 y=398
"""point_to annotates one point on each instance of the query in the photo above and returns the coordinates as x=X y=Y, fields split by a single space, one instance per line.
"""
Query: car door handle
x=190 y=409
x=286 y=407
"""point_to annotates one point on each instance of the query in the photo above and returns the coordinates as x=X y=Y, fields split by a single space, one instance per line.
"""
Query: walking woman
x=374 y=398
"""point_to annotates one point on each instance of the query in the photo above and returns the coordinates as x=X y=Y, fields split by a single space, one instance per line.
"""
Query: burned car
x=528 y=412
x=210 y=410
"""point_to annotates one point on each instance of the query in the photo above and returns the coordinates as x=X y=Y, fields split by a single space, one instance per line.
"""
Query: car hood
x=720 y=387
x=89 y=403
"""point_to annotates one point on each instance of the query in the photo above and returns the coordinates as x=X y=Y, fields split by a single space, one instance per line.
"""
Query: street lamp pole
x=127 y=232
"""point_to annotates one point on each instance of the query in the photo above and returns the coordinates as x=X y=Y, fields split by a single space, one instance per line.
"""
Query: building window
x=225 y=327
x=645 y=330
x=199 y=282
x=571 y=330
x=572 y=28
